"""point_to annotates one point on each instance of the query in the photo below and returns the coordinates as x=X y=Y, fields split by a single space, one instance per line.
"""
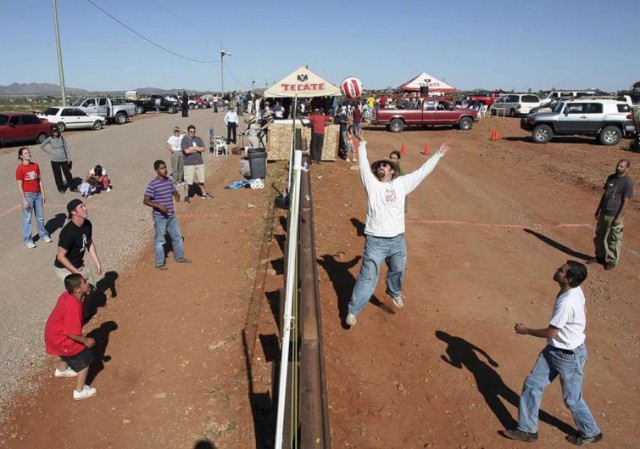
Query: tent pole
x=293 y=140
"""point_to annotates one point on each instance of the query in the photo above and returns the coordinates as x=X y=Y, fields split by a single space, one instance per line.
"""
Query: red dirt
x=485 y=233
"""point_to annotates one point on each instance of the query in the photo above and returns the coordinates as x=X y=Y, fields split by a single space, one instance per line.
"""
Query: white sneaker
x=31 y=245
x=351 y=319
x=85 y=393
x=66 y=373
x=47 y=239
x=397 y=300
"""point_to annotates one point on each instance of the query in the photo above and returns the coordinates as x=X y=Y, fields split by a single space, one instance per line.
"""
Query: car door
x=594 y=114
x=32 y=126
x=82 y=119
x=90 y=106
x=19 y=130
x=444 y=115
x=103 y=107
x=572 y=119
x=428 y=112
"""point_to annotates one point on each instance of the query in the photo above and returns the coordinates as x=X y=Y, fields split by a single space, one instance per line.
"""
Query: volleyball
x=351 y=87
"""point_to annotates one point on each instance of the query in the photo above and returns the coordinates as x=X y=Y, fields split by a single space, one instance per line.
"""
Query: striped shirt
x=161 y=191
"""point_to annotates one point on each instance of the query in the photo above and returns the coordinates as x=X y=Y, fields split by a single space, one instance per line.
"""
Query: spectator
x=194 y=175
x=32 y=197
x=318 y=124
x=231 y=120
x=60 y=160
x=177 y=158
x=63 y=336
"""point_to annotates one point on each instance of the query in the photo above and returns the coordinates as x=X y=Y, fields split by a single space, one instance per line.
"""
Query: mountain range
x=54 y=89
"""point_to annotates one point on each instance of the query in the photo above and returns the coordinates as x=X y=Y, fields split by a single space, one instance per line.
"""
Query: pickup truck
x=113 y=109
x=169 y=103
x=432 y=112
x=488 y=98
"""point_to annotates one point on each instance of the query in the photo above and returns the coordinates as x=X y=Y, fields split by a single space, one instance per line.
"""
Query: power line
x=234 y=77
x=149 y=40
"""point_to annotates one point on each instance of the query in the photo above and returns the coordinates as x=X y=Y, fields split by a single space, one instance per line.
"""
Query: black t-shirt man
x=76 y=240
x=615 y=189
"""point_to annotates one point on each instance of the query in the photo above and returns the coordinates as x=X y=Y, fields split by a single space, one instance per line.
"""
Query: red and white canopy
x=424 y=79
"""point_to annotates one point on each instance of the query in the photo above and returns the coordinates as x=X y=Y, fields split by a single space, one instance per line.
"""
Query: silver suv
x=606 y=119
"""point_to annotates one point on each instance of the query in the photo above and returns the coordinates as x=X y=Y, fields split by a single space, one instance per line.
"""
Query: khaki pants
x=608 y=239
x=63 y=273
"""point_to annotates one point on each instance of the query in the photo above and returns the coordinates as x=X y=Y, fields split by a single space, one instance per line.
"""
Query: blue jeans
x=552 y=363
x=35 y=205
x=377 y=250
x=162 y=226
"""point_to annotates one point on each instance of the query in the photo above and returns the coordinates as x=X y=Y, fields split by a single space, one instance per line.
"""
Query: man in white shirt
x=231 y=119
x=564 y=356
x=173 y=145
x=384 y=226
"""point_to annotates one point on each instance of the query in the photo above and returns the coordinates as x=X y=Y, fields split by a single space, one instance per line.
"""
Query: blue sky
x=537 y=44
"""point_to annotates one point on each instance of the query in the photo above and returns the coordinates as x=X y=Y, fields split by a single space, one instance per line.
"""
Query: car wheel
x=542 y=134
x=171 y=109
x=140 y=109
x=121 y=118
x=396 y=125
x=61 y=126
x=465 y=123
x=97 y=124
x=513 y=113
x=610 y=135
x=41 y=138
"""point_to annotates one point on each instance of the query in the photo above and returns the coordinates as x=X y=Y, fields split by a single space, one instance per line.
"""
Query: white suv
x=515 y=105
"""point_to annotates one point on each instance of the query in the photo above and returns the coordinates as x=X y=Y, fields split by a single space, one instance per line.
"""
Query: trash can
x=257 y=162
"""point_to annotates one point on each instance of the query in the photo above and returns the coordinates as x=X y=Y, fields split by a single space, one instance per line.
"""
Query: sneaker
x=47 y=239
x=85 y=393
x=206 y=196
x=161 y=267
x=66 y=373
x=351 y=319
x=399 y=303
x=185 y=260
x=609 y=266
x=521 y=435
x=109 y=189
x=31 y=245
x=579 y=440
x=187 y=199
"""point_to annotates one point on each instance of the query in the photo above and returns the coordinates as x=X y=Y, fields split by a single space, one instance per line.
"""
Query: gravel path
x=122 y=227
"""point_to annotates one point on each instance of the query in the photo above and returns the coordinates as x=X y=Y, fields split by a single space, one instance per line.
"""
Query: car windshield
x=51 y=111
x=78 y=102
x=558 y=107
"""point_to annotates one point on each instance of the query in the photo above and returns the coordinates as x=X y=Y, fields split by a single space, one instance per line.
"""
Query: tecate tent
x=302 y=83
x=424 y=79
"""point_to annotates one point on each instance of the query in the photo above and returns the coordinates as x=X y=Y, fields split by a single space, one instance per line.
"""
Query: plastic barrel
x=257 y=162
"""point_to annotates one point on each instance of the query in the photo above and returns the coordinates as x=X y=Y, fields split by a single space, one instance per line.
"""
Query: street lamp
x=223 y=53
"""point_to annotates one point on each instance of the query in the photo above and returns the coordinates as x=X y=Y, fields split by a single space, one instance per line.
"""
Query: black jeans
x=231 y=132
x=58 y=169
x=317 y=141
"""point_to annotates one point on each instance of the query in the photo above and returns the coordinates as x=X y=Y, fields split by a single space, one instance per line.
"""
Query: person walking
x=159 y=195
x=63 y=336
x=385 y=226
x=565 y=355
x=192 y=149
x=609 y=216
x=60 y=160
x=32 y=197
x=185 y=104
x=215 y=103
x=174 y=147
x=231 y=120
x=76 y=239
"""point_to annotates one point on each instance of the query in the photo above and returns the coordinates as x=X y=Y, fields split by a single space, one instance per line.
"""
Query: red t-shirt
x=65 y=320
x=29 y=174
x=317 y=123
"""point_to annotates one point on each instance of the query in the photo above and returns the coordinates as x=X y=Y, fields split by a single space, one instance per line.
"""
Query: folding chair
x=217 y=144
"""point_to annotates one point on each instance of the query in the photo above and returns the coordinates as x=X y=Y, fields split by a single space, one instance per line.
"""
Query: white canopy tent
x=436 y=86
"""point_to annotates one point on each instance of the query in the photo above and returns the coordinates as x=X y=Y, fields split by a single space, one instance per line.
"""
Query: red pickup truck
x=488 y=98
x=433 y=112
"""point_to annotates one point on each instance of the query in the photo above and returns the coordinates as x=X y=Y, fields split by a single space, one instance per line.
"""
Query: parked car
x=23 y=127
x=69 y=117
x=117 y=110
x=169 y=103
x=606 y=119
x=433 y=112
x=565 y=95
x=515 y=104
x=487 y=98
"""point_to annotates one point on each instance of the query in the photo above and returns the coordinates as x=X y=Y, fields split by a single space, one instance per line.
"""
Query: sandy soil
x=188 y=352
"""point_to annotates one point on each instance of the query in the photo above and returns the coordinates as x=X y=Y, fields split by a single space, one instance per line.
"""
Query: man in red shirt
x=318 y=123
x=63 y=336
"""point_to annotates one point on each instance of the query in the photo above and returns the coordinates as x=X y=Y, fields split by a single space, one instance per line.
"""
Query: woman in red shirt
x=32 y=197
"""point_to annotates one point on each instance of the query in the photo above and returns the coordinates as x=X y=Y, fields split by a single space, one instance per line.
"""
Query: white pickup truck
x=113 y=109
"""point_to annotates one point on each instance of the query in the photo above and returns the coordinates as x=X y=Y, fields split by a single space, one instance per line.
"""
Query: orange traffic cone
x=403 y=150
x=426 y=149
x=494 y=135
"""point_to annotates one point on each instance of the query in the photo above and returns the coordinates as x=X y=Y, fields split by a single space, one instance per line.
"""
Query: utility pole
x=253 y=83
x=223 y=53
x=60 y=68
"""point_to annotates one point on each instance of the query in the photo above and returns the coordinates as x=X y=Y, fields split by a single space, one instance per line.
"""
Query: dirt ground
x=187 y=353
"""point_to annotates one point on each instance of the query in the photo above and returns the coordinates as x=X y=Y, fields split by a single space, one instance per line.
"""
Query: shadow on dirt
x=55 y=223
x=557 y=139
x=204 y=444
x=359 y=226
x=462 y=354
x=557 y=245
x=101 y=336
x=98 y=298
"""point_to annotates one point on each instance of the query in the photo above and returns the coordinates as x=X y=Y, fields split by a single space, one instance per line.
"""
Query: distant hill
x=54 y=89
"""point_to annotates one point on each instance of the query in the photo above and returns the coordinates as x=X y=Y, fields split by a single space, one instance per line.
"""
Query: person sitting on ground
x=63 y=336
x=96 y=181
